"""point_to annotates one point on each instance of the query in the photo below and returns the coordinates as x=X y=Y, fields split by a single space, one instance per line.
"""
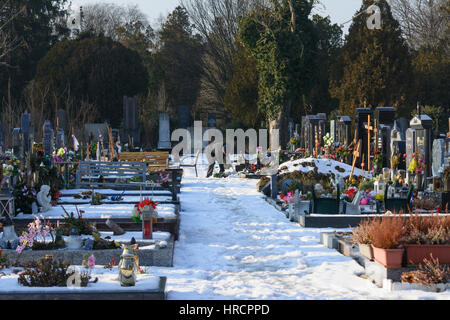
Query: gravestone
x=16 y=142
x=410 y=146
x=62 y=120
x=26 y=130
x=184 y=117
x=291 y=126
x=130 y=120
x=2 y=139
x=60 y=139
x=298 y=130
x=333 y=129
x=438 y=157
x=211 y=120
x=361 y=120
x=164 y=142
x=95 y=128
x=313 y=131
x=48 y=138
x=343 y=130
x=399 y=147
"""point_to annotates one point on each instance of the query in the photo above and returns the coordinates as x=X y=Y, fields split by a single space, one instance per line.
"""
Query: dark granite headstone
x=131 y=120
x=164 y=142
x=26 y=130
x=48 y=138
x=184 y=116
x=212 y=121
x=60 y=138
x=2 y=139
x=17 y=142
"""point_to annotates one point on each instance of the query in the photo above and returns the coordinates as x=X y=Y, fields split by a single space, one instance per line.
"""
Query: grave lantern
x=147 y=222
x=6 y=205
x=9 y=240
x=422 y=125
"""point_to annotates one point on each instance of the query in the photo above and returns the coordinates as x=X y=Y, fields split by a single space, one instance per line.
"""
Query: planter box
x=389 y=258
x=416 y=253
x=366 y=251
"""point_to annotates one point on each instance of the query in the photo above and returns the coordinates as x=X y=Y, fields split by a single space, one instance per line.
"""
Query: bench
x=156 y=161
x=106 y=174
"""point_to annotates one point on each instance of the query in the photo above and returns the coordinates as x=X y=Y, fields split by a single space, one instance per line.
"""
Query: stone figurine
x=44 y=199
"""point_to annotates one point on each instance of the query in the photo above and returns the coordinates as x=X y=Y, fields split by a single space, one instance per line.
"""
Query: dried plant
x=430 y=272
x=387 y=232
x=427 y=230
x=361 y=234
x=48 y=273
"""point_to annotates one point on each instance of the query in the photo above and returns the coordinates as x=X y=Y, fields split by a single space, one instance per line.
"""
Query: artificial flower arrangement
x=24 y=195
x=343 y=152
x=288 y=198
x=12 y=167
x=141 y=207
x=294 y=141
x=417 y=164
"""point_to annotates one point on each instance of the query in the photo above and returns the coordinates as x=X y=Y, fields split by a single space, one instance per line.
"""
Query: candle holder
x=147 y=223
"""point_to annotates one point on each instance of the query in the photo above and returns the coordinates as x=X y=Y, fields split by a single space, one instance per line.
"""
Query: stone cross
x=369 y=128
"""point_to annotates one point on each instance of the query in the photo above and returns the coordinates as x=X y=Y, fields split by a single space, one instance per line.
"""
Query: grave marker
x=438 y=157
x=48 y=137
x=164 y=142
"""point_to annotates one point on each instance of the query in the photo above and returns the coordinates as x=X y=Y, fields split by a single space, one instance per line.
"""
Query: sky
x=340 y=11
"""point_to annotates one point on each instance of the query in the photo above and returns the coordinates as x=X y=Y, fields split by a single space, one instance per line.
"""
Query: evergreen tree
x=283 y=40
x=41 y=25
x=374 y=66
x=177 y=63
x=241 y=95
x=327 y=52
x=94 y=69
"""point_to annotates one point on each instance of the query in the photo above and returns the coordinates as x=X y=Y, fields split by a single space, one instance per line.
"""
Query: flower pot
x=366 y=250
x=416 y=253
x=389 y=258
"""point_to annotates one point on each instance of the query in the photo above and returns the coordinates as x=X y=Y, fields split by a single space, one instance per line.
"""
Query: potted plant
x=427 y=236
x=385 y=234
x=361 y=236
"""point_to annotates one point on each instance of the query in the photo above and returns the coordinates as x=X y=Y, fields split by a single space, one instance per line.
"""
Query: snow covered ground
x=234 y=245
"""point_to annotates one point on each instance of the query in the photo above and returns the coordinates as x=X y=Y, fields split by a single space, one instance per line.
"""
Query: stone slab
x=73 y=294
x=157 y=256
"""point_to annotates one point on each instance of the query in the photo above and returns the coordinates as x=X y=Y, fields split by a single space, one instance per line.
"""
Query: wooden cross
x=88 y=152
x=355 y=156
x=369 y=128
x=111 y=142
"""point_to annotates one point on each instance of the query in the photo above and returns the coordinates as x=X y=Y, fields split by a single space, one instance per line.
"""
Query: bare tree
x=8 y=44
x=217 y=23
x=424 y=22
x=106 y=18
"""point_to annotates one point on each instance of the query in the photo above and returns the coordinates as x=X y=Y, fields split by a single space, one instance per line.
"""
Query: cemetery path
x=234 y=245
